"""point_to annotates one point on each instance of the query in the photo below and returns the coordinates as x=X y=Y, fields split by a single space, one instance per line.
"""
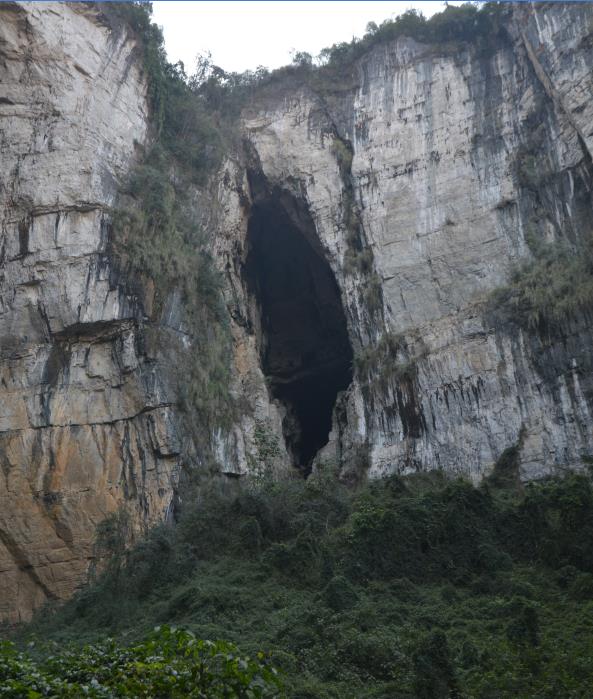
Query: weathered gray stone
x=83 y=431
x=436 y=138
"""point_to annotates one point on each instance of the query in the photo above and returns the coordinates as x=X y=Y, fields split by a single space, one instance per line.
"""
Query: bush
x=351 y=591
x=505 y=474
x=554 y=523
x=170 y=663
x=581 y=588
x=434 y=677
x=342 y=150
x=339 y=594
x=525 y=626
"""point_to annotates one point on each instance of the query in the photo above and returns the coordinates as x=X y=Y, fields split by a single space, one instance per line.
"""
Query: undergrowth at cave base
x=169 y=663
x=420 y=586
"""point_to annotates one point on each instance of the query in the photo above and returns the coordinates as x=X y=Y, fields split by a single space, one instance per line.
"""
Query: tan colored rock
x=84 y=427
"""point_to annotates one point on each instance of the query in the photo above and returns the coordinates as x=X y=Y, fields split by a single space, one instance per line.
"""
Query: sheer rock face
x=418 y=179
x=457 y=159
x=85 y=425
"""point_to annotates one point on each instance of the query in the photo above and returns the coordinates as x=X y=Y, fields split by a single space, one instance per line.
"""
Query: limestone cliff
x=443 y=212
x=84 y=420
x=360 y=229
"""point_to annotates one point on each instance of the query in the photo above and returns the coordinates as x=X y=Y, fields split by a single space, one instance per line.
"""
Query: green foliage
x=332 y=71
x=373 y=294
x=505 y=474
x=408 y=587
x=137 y=17
x=156 y=237
x=155 y=231
x=358 y=257
x=372 y=357
x=358 y=261
x=524 y=627
x=342 y=150
x=339 y=594
x=528 y=170
x=532 y=155
x=506 y=468
x=112 y=536
x=171 y=663
x=554 y=519
x=555 y=286
x=482 y=25
x=302 y=58
x=478 y=26
x=434 y=677
x=581 y=586
x=184 y=117
x=266 y=441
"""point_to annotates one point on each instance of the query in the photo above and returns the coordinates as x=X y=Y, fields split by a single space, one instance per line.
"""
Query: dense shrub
x=171 y=663
x=434 y=677
x=555 y=521
x=401 y=588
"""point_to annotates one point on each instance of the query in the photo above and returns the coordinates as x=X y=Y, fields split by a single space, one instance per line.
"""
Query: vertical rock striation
x=426 y=173
x=85 y=423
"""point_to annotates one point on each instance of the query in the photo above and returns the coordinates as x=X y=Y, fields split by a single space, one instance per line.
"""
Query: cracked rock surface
x=85 y=425
x=444 y=212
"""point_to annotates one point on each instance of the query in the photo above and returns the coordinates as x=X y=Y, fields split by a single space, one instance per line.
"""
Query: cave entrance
x=305 y=350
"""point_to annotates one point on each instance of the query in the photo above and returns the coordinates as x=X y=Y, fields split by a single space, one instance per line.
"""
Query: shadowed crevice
x=305 y=351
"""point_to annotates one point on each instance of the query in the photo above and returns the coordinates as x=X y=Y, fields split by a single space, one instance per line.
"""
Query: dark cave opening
x=305 y=350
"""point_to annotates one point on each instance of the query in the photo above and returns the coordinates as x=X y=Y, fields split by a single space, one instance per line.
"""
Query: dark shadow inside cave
x=305 y=350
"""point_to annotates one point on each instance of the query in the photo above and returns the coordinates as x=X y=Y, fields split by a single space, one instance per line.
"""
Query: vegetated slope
x=412 y=587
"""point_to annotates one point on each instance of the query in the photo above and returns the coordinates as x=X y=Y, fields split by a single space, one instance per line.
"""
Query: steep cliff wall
x=360 y=228
x=84 y=420
x=436 y=194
